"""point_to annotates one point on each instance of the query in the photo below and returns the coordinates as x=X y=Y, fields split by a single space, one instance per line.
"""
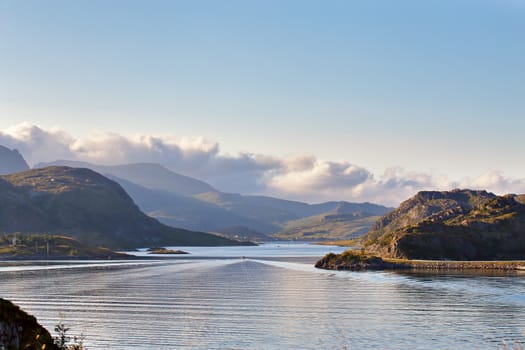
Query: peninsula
x=457 y=229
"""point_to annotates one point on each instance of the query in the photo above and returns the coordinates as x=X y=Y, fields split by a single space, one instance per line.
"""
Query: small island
x=161 y=250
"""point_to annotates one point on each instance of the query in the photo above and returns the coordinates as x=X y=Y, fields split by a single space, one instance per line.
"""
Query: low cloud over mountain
x=302 y=177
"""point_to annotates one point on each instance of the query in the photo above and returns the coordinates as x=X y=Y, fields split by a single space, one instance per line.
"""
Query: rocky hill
x=85 y=205
x=454 y=225
x=11 y=161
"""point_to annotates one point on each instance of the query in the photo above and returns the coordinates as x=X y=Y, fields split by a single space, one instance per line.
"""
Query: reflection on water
x=269 y=302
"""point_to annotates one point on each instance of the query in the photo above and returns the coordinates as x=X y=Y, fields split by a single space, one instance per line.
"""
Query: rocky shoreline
x=357 y=261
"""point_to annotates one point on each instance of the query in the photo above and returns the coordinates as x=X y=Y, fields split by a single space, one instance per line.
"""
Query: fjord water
x=267 y=297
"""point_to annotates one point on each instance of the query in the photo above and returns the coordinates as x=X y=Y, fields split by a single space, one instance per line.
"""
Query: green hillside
x=327 y=227
x=345 y=221
x=85 y=205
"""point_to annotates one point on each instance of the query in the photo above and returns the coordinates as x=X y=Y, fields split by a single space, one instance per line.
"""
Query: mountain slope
x=149 y=175
x=86 y=205
x=425 y=204
x=181 y=201
x=346 y=221
x=277 y=211
x=11 y=161
x=455 y=225
x=187 y=212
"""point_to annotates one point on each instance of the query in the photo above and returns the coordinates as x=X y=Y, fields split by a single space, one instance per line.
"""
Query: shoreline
x=355 y=261
x=459 y=264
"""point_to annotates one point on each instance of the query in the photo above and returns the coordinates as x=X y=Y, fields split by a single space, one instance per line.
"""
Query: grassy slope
x=36 y=246
x=88 y=206
x=326 y=226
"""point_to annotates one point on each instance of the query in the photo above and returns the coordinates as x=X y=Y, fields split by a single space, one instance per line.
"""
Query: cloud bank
x=300 y=177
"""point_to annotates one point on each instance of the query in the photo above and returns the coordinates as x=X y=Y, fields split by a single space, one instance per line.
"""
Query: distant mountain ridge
x=83 y=204
x=455 y=225
x=185 y=211
x=149 y=175
x=11 y=161
x=182 y=201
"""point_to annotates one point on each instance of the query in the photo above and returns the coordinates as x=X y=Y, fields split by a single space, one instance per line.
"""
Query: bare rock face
x=453 y=225
x=19 y=330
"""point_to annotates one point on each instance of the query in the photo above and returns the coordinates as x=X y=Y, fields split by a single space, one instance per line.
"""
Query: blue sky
x=429 y=86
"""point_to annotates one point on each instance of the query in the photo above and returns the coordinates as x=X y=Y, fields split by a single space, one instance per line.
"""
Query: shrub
x=65 y=342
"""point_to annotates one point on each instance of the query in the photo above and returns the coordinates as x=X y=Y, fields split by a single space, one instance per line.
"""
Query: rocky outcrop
x=19 y=330
x=427 y=204
x=355 y=261
x=455 y=225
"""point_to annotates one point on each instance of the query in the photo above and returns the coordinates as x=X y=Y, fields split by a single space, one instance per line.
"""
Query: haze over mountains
x=182 y=201
x=83 y=204
x=11 y=161
x=462 y=224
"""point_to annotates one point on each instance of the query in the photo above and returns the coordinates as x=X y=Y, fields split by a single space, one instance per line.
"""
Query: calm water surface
x=266 y=297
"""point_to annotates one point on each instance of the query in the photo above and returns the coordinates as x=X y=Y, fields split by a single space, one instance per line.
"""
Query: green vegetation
x=327 y=226
x=87 y=206
x=47 y=246
x=455 y=225
x=64 y=342
x=361 y=260
x=343 y=243
x=460 y=229
x=159 y=250
x=354 y=260
x=19 y=330
x=292 y=220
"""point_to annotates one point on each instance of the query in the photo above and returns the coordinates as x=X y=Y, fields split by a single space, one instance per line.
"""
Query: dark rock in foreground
x=19 y=330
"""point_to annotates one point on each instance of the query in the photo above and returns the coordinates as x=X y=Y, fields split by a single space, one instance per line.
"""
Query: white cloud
x=497 y=182
x=318 y=176
x=36 y=143
x=301 y=177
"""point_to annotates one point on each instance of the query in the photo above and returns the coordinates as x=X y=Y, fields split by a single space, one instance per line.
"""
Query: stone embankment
x=357 y=261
